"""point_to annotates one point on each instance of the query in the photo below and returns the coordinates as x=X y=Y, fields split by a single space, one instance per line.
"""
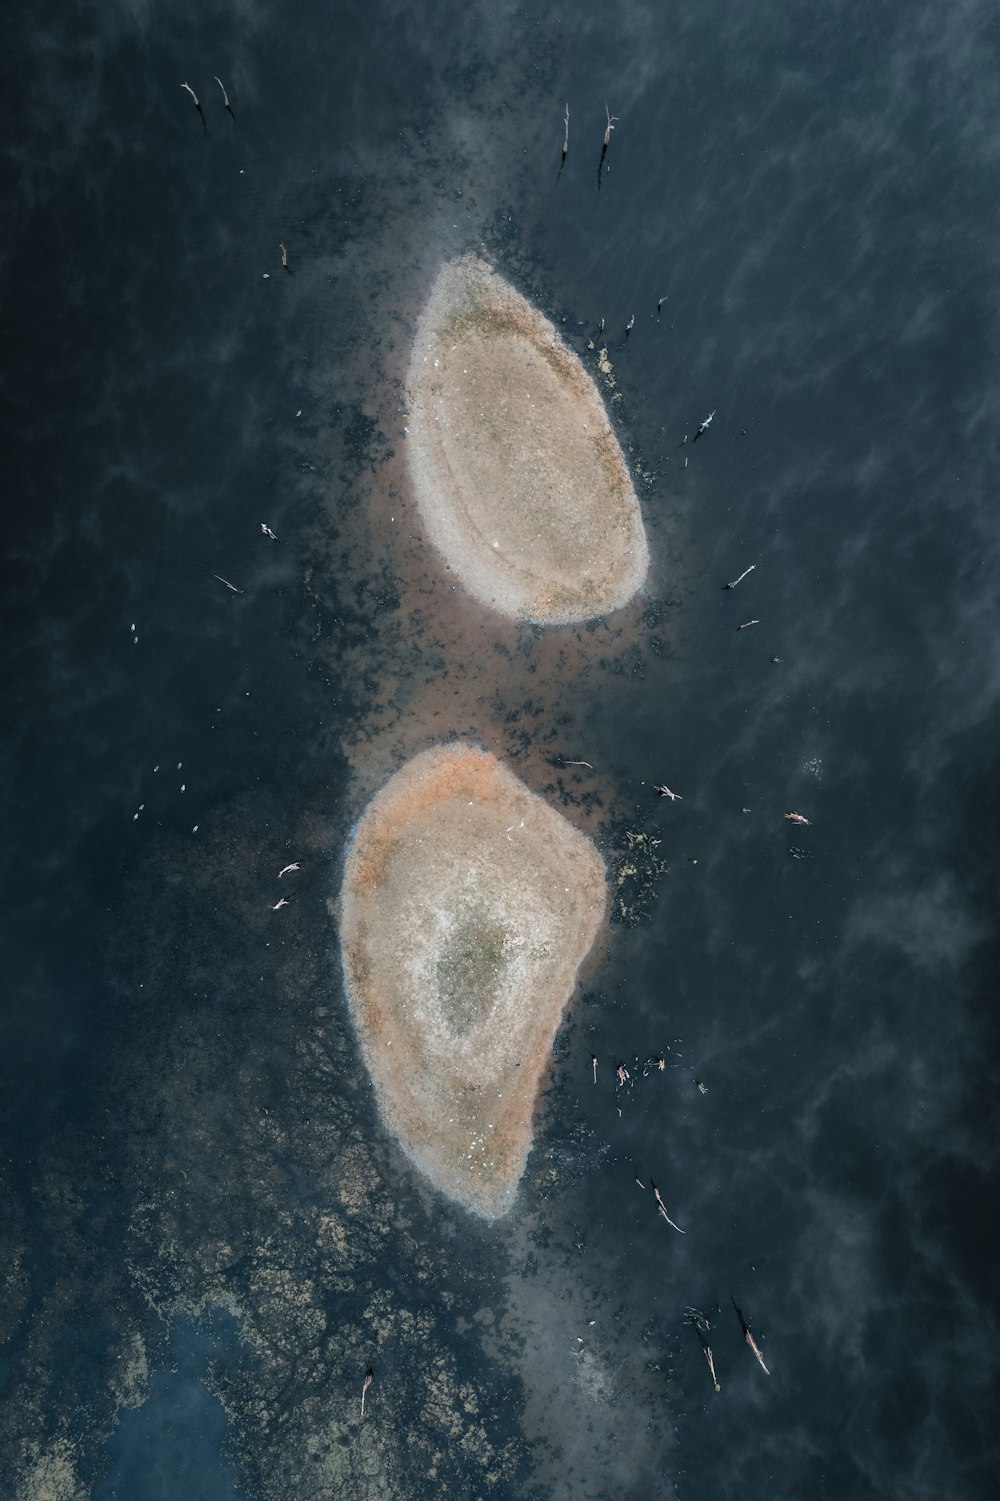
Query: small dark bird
x=197 y=105
x=225 y=96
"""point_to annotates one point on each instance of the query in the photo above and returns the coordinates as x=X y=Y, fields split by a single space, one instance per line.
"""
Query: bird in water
x=629 y=326
x=663 y=1208
x=593 y=1059
x=664 y=791
x=225 y=96
x=612 y=120
x=283 y=901
x=369 y=1377
x=746 y=624
x=659 y=305
x=197 y=105
x=703 y=427
x=733 y=582
x=565 y=145
x=797 y=818
x=284 y=256
x=227 y=583
x=749 y=1337
x=701 y=1326
x=286 y=869
x=268 y=532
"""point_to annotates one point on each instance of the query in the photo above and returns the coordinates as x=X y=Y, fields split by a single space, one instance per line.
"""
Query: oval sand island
x=467 y=907
x=517 y=473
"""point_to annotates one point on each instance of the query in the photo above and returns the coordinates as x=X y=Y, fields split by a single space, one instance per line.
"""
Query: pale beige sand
x=519 y=478
x=467 y=907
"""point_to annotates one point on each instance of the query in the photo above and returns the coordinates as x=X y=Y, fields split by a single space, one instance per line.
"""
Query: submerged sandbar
x=516 y=470
x=467 y=907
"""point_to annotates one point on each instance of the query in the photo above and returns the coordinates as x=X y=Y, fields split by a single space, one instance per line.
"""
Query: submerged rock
x=517 y=473
x=467 y=907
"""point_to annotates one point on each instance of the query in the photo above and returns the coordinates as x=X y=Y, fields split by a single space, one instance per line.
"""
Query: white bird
x=225 y=96
x=295 y=865
x=665 y=791
x=197 y=105
x=281 y=902
x=268 y=532
x=703 y=426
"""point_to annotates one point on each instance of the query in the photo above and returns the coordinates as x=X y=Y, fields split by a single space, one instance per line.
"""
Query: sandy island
x=517 y=473
x=467 y=907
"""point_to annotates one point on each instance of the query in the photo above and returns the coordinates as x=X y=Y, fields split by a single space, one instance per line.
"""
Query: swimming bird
x=612 y=120
x=733 y=582
x=797 y=818
x=565 y=146
x=369 y=1376
x=665 y=791
x=285 y=869
x=701 y=1326
x=703 y=427
x=663 y=1209
x=227 y=583
x=659 y=305
x=746 y=624
x=282 y=901
x=284 y=256
x=225 y=96
x=197 y=106
x=630 y=325
x=593 y=1059
x=268 y=532
x=749 y=1337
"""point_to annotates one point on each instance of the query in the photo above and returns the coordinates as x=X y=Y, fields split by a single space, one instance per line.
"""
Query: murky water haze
x=207 y=1237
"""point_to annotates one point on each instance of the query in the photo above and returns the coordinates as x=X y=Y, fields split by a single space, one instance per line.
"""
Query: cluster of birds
x=699 y=1323
x=286 y=870
x=197 y=102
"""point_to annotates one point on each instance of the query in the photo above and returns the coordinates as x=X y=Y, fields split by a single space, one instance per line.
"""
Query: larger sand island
x=518 y=476
x=467 y=907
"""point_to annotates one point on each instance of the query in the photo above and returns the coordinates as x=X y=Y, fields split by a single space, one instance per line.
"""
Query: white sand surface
x=517 y=473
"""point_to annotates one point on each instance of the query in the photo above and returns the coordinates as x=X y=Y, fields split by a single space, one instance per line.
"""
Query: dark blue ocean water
x=187 y=1127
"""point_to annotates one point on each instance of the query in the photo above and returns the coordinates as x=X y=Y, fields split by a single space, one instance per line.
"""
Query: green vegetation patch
x=469 y=969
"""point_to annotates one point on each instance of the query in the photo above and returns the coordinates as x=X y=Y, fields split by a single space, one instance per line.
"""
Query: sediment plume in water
x=467 y=907
x=517 y=473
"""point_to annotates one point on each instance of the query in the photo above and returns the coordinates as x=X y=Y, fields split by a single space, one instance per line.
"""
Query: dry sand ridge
x=517 y=473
